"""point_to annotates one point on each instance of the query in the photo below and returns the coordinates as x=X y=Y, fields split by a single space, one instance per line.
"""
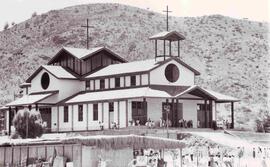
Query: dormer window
x=133 y=80
x=102 y=84
x=117 y=82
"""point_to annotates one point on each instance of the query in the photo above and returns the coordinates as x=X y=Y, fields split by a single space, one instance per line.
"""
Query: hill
x=231 y=54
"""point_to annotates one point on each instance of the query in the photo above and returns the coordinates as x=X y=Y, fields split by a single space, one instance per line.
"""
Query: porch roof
x=141 y=92
x=31 y=99
x=207 y=94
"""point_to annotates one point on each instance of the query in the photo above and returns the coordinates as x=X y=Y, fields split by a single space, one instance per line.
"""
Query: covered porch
x=37 y=101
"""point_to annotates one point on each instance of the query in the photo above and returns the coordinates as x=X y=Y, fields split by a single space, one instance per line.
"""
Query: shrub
x=259 y=126
x=34 y=123
x=6 y=26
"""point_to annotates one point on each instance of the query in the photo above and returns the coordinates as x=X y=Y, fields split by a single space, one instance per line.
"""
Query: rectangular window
x=102 y=84
x=95 y=112
x=139 y=112
x=80 y=113
x=117 y=82
x=133 y=80
x=111 y=107
x=87 y=85
x=65 y=113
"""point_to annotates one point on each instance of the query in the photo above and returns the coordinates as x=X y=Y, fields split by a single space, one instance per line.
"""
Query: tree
x=34 y=124
x=6 y=26
x=34 y=14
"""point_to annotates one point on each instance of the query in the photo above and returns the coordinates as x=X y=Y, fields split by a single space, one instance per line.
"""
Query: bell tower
x=168 y=38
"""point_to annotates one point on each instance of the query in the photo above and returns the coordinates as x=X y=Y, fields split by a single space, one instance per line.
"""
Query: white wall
x=79 y=125
x=122 y=81
x=138 y=80
x=122 y=114
x=186 y=77
x=70 y=87
x=106 y=115
x=97 y=84
x=106 y=83
x=54 y=122
x=144 y=79
x=112 y=83
x=127 y=81
x=154 y=108
x=65 y=126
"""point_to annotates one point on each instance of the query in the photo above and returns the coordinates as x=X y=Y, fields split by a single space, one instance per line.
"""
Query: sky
x=256 y=10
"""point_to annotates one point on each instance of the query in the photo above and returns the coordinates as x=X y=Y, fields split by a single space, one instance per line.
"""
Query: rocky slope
x=231 y=54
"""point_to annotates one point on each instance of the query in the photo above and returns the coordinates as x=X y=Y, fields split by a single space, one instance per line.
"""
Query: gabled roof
x=136 y=67
x=31 y=99
x=57 y=71
x=198 y=91
x=168 y=35
x=82 y=54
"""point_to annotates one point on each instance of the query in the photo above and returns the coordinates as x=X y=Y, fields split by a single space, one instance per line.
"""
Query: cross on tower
x=167 y=11
x=87 y=36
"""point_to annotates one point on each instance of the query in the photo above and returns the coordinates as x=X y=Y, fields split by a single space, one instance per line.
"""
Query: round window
x=172 y=73
x=45 y=80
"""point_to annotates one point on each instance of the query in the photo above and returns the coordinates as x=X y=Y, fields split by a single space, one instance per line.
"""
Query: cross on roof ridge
x=167 y=12
x=87 y=36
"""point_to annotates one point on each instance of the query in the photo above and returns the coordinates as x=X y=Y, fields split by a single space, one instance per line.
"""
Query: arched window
x=172 y=73
x=45 y=80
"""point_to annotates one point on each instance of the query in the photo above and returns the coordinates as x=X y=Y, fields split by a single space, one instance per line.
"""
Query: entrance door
x=46 y=115
x=204 y=117
x=175 y=113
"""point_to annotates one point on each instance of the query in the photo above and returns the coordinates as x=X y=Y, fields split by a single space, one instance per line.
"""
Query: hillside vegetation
x=231 y=54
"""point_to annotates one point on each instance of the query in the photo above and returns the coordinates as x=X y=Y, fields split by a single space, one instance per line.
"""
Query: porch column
x=232 y=115
x=210 y=113
x=9 y=121
x=36 y=106
x=172 y=114
x=205 y=113
x=144 y=107
x=58 y=122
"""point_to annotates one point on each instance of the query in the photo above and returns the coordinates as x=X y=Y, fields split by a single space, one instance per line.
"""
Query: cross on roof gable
x=168 y=35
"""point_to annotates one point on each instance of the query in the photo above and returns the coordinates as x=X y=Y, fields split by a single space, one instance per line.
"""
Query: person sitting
x=181 y=123
x=101 y=125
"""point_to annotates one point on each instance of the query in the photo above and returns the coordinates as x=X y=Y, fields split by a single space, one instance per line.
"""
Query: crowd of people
x=221 y=157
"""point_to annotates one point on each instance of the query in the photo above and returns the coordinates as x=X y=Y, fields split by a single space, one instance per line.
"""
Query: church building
x=80 y=89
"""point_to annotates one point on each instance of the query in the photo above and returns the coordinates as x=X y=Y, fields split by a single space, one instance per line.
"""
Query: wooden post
x=170 y=48
x=87 y=121
x=58 y=122
x=232 y=115
x=9 y=121
x=205 y=113
x=155 y=49
x=178 y=49
x=164 y=48
x=72 y=115
x=126 y=114
x=181 y=159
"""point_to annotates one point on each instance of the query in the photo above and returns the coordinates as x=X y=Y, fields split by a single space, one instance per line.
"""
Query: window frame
x=133 y=80
x=102 y=84
x=80 y=113
x=117 y=82
x=65 y=114
x=95 y=112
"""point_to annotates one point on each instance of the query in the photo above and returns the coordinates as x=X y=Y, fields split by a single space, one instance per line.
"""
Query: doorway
x=46 y=115
x=175 y=112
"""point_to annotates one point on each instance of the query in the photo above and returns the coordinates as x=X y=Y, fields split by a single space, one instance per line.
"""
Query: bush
x=35 y=128
x=6 y=26
x=259 y=126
